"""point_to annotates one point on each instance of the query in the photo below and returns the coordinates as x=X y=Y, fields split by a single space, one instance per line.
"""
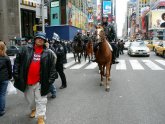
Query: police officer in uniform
x=111 y=37
x=59 y=50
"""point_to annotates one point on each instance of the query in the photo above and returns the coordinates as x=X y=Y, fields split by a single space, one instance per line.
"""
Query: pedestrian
x=121 y=47
x=53 y=90
x=59 y=50
x=65 y=52
x=34 y=72
x=5 y=76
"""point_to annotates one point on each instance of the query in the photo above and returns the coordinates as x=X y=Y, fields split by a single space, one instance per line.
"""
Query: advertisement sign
x=107 y=5
x=157 y=19
x=75 y=17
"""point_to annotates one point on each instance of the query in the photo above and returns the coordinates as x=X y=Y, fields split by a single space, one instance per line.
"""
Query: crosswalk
x=133 y=64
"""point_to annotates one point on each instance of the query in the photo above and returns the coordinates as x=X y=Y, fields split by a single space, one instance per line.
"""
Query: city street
x=136 y=95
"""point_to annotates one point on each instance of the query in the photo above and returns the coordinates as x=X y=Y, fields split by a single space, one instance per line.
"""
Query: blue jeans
x=3 y=89
x=53 y=89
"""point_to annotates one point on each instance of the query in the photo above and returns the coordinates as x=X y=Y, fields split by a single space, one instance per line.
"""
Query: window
x=55 y=16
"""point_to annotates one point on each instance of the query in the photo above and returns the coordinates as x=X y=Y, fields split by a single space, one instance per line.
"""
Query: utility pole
x=43 y=18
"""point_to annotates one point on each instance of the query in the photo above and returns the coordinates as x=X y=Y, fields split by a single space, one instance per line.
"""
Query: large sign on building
x=107 y=7
x=157 y=19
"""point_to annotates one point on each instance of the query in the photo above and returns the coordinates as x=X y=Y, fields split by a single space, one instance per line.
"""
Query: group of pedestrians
x=36 y=67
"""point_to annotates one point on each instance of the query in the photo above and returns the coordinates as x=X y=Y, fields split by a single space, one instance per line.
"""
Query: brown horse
x=104 y=57
x=89 y=50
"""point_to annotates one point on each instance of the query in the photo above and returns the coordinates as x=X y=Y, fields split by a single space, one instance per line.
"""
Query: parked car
x=126 y=44
x=160 y=49
x=12 y=50
x=138 y=48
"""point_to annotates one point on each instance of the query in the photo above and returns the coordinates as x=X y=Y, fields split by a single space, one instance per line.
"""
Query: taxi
x=152 y=44
x=160 y=49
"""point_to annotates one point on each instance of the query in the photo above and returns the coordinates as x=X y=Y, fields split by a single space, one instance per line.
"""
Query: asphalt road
x=137 y=95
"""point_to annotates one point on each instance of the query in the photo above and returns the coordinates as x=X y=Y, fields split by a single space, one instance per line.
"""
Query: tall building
x=9 y=19
x=141 y=4
x=69 y=12
x=17 y=18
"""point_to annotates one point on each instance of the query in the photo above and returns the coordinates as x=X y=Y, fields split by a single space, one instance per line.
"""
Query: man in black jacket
x=34 y=72
x=59 y=50
x=111 y=37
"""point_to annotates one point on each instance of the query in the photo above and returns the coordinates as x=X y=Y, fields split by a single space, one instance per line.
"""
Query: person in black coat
x=59 y=50
x=34 y=72
x=5 y=76
x=111 y=37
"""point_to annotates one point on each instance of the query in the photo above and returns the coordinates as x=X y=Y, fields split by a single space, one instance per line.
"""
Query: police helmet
x=56 y=37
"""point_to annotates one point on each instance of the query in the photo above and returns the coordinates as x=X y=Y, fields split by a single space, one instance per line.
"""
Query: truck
x=65 y=32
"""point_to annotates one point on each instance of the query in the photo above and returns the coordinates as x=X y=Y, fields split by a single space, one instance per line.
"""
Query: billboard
x=75 y=17
x=107 y=7
x=157 y=19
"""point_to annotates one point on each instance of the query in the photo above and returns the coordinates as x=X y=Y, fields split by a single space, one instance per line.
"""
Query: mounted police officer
x=111 y=36
x=78 y=36
x=59 y=50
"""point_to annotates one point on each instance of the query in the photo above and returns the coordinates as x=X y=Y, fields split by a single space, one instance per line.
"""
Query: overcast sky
x=121 y=7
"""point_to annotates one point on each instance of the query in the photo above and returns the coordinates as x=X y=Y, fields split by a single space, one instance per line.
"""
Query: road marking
x=79 y=65
x=69 y=63
x=69 y=55
x=161 y=62
x=152 y=65
x=121 y=65
x=92 y=65
x=136 y=65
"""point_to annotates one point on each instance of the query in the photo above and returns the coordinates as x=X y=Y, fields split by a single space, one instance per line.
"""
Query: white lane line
x=152 y=65
x=79 y=65
x=69 y=55
x=92 y=65
x=121 y=65
x=136 y=65
x=69 y=63
x=161 y=62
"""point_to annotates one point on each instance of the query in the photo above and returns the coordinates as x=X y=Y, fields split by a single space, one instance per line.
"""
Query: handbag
x=11 y=90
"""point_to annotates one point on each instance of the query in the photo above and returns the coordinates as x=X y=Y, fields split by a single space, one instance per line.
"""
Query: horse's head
x=100 y=35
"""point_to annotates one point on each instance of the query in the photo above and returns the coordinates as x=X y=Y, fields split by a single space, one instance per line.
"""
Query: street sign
x=55 y=4
x=38 y=11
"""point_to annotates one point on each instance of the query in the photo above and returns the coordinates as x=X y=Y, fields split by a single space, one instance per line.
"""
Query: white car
x=126 y=45
x=138 y=48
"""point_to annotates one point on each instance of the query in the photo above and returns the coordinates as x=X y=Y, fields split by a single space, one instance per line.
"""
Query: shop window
x=55 y=16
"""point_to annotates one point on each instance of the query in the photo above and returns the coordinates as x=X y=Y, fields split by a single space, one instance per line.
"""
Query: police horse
x=104 y=58
x=77 y=50
x=89 y=50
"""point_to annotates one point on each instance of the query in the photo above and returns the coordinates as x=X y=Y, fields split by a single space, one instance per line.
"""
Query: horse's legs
x=78 y=57
x=101 y=74
x=74 y=56
x=107 y=77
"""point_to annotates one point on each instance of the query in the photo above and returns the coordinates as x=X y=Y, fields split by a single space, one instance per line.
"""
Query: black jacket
x=48 y=72
x=110 y=32
x=59 y=50
x=5 y=68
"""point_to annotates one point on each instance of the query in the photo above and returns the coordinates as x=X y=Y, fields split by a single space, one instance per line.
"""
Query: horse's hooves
x=107 y=89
